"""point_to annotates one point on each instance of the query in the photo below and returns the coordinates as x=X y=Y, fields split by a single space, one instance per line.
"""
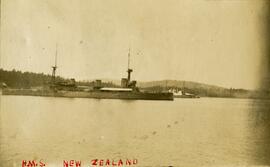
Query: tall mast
x=129 y=70
x=54 y=67
x=128 y=57
x=55 y=61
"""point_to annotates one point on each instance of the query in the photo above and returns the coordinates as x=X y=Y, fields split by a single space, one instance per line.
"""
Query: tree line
x=18 y=79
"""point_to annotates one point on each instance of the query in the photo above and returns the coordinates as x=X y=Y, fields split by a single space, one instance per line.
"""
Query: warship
x=128 y=89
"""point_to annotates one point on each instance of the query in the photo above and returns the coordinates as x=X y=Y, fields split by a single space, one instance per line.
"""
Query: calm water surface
x=183 y=132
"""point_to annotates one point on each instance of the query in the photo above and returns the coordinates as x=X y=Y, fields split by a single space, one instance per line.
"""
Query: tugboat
x=182 y=94
x=128 y=89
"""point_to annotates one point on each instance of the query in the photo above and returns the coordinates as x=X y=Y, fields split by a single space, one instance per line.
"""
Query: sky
x=213 y=42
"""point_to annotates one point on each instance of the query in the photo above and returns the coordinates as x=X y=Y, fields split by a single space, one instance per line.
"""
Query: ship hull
x=92 y=94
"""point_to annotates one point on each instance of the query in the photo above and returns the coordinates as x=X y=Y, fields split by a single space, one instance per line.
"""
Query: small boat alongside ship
x=182 y=94
x=128 y=89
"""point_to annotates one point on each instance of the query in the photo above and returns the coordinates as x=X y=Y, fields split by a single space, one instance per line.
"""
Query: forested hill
x=18 y=79
x=196 y=88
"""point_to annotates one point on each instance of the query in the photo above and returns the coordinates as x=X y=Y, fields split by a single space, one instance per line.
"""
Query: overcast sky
x=214 y=42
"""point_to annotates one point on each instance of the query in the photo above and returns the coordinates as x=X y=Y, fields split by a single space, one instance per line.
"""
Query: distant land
x=17 y=79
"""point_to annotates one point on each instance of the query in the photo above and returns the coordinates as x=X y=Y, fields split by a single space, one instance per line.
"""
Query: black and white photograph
x=134 y=83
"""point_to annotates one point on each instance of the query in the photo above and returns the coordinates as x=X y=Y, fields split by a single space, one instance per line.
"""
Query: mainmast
x=54 y=67
x=129 y=70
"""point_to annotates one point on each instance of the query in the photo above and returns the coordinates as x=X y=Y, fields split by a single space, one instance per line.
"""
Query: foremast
x=53 y=78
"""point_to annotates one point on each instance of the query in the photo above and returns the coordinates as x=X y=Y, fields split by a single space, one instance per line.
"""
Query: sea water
x=183 y=132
